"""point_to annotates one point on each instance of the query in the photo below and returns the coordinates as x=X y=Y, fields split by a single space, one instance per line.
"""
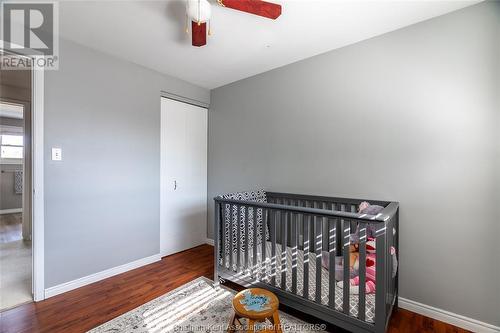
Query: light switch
x=56 y=154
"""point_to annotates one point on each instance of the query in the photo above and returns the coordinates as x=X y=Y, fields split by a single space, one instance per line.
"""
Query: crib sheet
x=353 y=299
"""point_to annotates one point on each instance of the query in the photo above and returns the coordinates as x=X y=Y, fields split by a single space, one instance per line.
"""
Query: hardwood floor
x=84 y=308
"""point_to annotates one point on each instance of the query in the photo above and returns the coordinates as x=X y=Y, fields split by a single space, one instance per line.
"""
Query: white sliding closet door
x=183 y=191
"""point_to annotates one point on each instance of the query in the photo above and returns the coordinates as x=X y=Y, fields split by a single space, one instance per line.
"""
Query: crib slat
x=217 y=241
x=380 y=272
x=305 y=246
x=247 y=220
x=255 y=226
x=289 y=226
x=238 y=238
x=223 y=234
x=273 y=247
x=294 y=244
x=264 y=226
x=338 y=222
x=231 y=243
x=284 y=221
x=310 y=204
x=362 y=272
x=324 y=231
x=331 y=265
x=346 y=230
x=318 y=246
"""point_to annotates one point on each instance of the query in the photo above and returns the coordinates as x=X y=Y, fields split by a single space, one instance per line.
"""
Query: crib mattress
x=267 y=265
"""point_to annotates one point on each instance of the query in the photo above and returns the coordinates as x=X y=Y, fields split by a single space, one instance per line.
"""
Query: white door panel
x=184 y=176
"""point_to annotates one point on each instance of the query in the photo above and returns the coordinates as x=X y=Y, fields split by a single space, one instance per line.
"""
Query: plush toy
x=366 y=208
x=371 y=263
x=339 y=264
x=371 y=258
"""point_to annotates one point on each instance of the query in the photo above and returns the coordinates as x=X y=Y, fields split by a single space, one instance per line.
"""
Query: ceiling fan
x=199 y=12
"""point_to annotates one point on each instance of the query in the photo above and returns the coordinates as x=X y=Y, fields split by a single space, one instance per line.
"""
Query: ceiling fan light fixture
x=198 y=11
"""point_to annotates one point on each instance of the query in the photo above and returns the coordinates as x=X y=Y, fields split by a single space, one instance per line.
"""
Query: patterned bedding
x=239 y=216
x=353 y=301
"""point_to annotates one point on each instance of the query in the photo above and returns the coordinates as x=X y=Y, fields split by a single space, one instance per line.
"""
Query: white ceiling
x=151 y=33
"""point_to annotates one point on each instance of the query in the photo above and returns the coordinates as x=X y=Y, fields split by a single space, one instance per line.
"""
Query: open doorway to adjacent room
x=15 y=184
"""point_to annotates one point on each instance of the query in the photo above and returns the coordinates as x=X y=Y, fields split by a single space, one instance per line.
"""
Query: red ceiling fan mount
x=199 y=11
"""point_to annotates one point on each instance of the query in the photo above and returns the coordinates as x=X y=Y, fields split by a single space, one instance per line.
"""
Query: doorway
x=183 y=189
x=15 y=184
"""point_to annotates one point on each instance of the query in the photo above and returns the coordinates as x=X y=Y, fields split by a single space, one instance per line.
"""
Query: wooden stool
x=241 y=310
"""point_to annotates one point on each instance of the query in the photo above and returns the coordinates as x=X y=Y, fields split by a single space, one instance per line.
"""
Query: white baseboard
x=11 y=211
x=448 y=317
x=67 y=286
x=209 y=241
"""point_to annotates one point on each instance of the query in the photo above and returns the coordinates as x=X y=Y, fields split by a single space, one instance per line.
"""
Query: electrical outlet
x=56 y=154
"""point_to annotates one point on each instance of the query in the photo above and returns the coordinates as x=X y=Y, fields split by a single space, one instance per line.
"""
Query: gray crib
x=276 y=241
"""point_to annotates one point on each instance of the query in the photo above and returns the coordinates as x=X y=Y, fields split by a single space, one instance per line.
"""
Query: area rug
x=197 y=306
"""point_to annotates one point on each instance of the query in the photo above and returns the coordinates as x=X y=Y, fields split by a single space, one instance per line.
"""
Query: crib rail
x=386 y=214
x=257 y=242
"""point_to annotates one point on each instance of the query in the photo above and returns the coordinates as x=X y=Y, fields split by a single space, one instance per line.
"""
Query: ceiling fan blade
x=198 y=33
x=257 y=7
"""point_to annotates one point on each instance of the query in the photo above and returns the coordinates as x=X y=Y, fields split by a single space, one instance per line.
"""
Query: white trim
x=67 y=286
x=184 y=99
x=11 y=211
x=37 y=201
x=209 y=241
x=447 y=317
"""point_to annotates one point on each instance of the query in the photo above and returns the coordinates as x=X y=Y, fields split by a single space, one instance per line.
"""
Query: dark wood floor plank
x=87 y=307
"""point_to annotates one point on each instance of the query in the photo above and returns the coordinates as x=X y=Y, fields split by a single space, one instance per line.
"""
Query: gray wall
x=102 y=199
x=410 y=116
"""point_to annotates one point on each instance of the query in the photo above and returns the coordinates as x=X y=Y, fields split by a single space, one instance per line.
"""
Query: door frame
x=183 y=99
x=37 y=174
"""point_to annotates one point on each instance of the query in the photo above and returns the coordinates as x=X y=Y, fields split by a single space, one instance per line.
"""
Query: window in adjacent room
x=11 y=146
x=11 y=132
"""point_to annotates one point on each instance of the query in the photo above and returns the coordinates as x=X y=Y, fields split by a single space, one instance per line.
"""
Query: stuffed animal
x=366 y=208
x=339 y=264
x=371 y=257
x=371 y=264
